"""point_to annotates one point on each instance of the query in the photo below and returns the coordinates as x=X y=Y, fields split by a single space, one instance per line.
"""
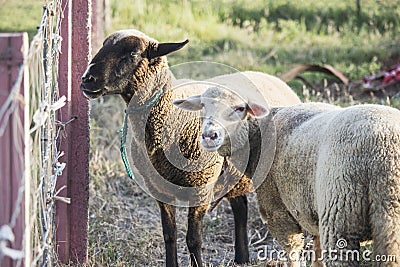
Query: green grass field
x=260 y=35
x=18 y=15
x=270 y=36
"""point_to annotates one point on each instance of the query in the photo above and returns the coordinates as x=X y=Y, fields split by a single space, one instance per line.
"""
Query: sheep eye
x=238 y=109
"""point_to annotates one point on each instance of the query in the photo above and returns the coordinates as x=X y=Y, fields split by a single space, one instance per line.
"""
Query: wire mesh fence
x=38 y=184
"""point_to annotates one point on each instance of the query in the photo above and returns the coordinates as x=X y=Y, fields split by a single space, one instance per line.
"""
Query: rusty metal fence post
x=72 y=219
x=14 y=102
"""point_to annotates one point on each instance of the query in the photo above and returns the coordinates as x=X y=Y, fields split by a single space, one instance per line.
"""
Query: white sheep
x=336 y=171
x=134 y=65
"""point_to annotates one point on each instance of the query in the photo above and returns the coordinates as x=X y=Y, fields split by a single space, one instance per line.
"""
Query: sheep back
x=273 y=90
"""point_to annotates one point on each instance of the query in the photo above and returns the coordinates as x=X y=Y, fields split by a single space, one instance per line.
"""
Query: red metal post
x=72 y=220
x=78 y=177
x=13 y=48
x=64 y=82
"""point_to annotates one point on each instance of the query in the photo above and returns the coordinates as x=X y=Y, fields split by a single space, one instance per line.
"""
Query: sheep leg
x=169 y=232
x=194 y=233
x=239 y=209
x=282 y=225
x=342 y=227
x=318 y=253
x=336 y=254
x=385 y=218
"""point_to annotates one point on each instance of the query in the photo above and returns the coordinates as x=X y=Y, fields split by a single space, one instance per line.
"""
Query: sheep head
x=225 y=118
x=127 y=60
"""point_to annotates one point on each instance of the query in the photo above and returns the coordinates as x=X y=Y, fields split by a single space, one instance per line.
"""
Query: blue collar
x=124 y=130
x=148 y=104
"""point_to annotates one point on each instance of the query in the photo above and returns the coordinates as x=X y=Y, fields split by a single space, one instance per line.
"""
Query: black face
x=126 y=59
x=113 y=67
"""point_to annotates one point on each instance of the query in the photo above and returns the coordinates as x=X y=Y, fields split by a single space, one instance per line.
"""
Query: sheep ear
x=163 y=49
x=192 y=103
x=257 y=111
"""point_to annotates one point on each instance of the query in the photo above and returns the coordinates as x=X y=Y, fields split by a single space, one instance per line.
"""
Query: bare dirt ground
x=125 y=229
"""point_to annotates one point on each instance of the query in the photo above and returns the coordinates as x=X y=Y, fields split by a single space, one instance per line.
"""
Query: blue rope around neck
x=122 y=147
x=124 y=131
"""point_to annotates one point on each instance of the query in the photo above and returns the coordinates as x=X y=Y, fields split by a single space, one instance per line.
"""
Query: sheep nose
x=210 y=136
x=88 y=79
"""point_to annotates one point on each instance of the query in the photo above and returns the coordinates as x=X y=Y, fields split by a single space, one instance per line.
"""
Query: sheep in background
x=134 y=65
x=336 y=171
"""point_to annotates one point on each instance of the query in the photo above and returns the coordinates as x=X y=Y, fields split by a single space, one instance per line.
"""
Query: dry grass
x=125 y=229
